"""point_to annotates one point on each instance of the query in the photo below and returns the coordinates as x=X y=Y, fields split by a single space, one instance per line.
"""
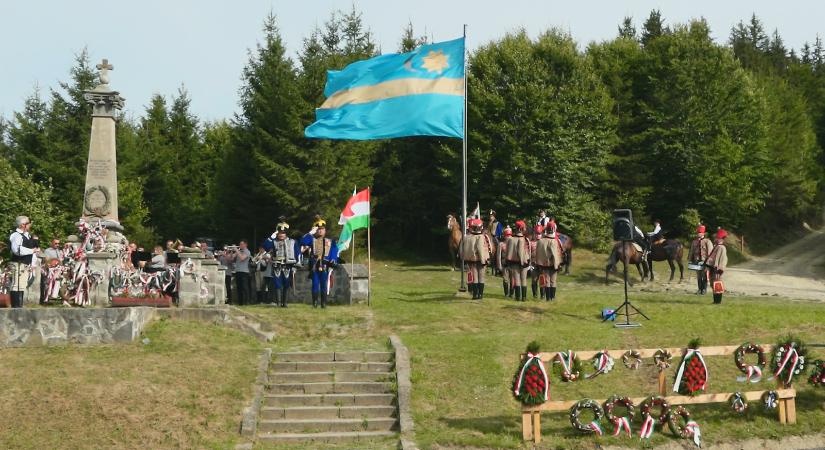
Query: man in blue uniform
x=323 y=257
x=285 y=254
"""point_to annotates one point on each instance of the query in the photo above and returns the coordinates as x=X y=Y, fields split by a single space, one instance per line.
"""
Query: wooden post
x=662 y=382
x=526 y=425
x=782 y=411
x=790 y=411
x=536 y=427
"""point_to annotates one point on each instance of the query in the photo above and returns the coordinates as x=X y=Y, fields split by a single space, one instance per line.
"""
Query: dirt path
x=795 y=270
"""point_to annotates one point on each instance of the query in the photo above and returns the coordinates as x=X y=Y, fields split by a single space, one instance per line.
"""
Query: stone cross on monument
x=100 y=194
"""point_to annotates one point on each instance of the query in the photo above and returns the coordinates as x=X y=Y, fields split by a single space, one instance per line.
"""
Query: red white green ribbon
x=754 y=375
x=693 y=430
x=566 y=360
x=647 y=428
x=688 y=355
x=622 y=423
x=603 y=365
x=791 y=353
x=596 y=428
x=530 y=358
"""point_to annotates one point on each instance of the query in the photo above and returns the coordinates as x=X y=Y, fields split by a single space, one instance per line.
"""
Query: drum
x=696 y=266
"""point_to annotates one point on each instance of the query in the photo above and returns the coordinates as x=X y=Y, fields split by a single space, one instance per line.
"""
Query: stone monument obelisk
x=100 y=194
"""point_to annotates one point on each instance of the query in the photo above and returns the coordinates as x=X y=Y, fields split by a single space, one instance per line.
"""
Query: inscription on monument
x=99 y=168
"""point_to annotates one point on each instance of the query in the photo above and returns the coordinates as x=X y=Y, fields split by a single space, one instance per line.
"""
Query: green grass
x=464 y=354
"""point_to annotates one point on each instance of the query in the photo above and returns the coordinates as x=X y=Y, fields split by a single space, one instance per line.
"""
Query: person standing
x=518 y=260
x=323 y=256
x=494 y=227
x=225 y=259
x=23 y=249
x=475 y=248
x=548 y=260
x=542 y=220
x=260 y=263
x=533 y=271
x=501 y=261
x=284 y=258
x=241 y=258
x=700 y=249
x=717 y=262
x=52 y=258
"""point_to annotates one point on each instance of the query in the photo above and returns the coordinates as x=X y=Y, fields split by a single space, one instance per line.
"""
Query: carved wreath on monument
x=97 y=201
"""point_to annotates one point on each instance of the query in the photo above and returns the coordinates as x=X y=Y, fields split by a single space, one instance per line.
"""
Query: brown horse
x=566 y=247
x=668 y=250
x=626 y=253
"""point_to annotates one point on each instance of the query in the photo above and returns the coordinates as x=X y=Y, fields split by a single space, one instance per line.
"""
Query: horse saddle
x=659 y=241
x=638 y=247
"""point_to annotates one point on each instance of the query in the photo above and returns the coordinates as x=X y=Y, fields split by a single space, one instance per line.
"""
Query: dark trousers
x=227 y=282
x=243 y=287
x=43 y=289
x=268 y=289
x=702 y=280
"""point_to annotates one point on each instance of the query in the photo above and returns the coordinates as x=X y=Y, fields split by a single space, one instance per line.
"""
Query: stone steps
x=329 y=397
x=326 y=412
x=287 y=400
x=328 y=437
x=330 y=377
x=324 y=425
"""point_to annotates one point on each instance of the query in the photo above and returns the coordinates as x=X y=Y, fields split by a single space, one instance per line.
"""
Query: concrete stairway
x=329 y=397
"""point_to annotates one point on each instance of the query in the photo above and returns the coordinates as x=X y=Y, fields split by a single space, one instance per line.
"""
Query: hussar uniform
x=548 y=260
x=22 y=252
x=323 y=257
x=700 y=249
x=475 y=249
x=285 y=255
x=533 y=272
x=717 y=262
x=518 y=261
x=501 y=261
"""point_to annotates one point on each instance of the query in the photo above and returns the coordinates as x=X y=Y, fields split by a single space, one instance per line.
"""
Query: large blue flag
x=420 y=93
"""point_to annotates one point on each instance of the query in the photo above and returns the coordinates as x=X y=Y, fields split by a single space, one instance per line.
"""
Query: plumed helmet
x=508 y=231
x=721 y=233
x=700 y=229
x=538 y=229
x=492 y=213
x=476 y=223
x=520 y=225
x=550 y=229
x=319 y=222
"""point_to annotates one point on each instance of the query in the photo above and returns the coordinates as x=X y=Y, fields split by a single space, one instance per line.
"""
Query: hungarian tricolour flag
x=356 y=215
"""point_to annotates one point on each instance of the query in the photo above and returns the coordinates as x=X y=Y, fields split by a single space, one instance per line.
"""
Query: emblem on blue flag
x=420 y=93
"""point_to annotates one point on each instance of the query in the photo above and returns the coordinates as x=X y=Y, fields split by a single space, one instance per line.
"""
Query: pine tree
x=409 y=41
x=627 y=30
x=653 y=27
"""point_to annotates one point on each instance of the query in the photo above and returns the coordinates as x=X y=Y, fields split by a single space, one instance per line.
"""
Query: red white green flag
x=356 y=215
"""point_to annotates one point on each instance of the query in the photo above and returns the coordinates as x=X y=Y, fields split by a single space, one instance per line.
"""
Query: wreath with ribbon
x=818 y=374
x=632 y=359
x=753 y=373
x=530 y=384
x=692 y=375
x=685 y=428
x=650 y=421
x=662 y=359
x=788 y=360
x=598 y=413
x=602 y=362
x=623 y=422
x=770 y=400
x=738 y=402
x=570 y=365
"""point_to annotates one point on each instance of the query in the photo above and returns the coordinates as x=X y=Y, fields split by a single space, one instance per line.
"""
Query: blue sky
x=157 y=45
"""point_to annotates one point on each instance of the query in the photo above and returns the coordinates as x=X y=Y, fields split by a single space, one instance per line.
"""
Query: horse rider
x=548 y=260
x=641 y=241
x=475 y=248
x=717 y=262
x=518 y=260
x=538 y=230
x=700 y=249
x=543 y=220
x=285 y=254
x=656 y=234
x=323 y=257
x=501 y=260
x=494 y=227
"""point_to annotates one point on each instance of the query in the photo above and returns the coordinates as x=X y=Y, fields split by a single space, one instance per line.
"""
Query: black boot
x=283 y=297
x=524 y=293
x=473 y=290
x=506 y=288
x=314 y=299
x=542 y=293
x=534 y=286
x=552 y=293
x=324 y=299
x=517 y=290
x=512 y=290
x=480 y=291
x=16 y=298
x=717 y=299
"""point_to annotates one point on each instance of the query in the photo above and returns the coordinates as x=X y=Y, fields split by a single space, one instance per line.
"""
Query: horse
x=454 y=239
x=626 y=253
x=567 y=252
x=667 y=250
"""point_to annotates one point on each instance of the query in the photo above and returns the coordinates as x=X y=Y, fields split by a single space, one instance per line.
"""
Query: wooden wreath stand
x=531 y=415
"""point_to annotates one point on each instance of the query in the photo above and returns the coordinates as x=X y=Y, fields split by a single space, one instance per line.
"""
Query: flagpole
x=352 y=267
x=369 y=254
x=463 y=287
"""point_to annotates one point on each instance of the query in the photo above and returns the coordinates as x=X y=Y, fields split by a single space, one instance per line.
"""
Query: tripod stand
x=626 y=305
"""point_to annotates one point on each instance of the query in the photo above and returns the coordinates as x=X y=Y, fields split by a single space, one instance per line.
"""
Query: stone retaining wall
x=46 y=326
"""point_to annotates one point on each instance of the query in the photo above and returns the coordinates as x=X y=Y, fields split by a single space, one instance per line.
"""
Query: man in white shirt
x=23 y=247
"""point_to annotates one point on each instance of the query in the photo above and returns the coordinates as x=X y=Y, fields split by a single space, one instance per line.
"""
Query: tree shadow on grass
x=487 y=425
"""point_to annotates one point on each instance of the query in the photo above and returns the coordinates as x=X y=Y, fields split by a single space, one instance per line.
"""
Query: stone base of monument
x=158 y=302
x=25 y=327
